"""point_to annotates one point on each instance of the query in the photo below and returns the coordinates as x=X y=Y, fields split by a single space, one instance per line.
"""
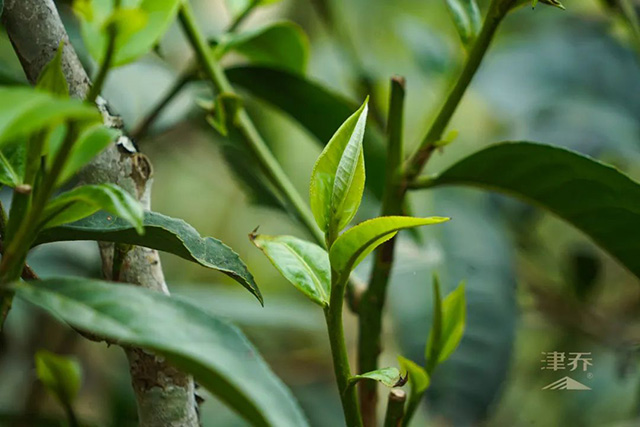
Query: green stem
x=497 y=11
x=395 y=408
x=269 y=165
x=141 y=130
x=333 y=315
x=372 y=302
x=71 y=415
x=242 y=16
x=98 y=82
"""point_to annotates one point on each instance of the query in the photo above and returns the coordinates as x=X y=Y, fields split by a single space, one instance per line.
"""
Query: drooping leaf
x=24 y=111
x=386 y=376
x=305 y=101
x=448 y=325
x=358 y=242
x=467 y=19
x=418 y=377
x=12 y=164
x=216 y=353
x=281 y=45
x=61 y=375
x=162 y=233
x=86 y=200
x=596 y=198
x=337 y=180
x=304 y=264
x=140 y=24
x=52 y=77
x=91 y=141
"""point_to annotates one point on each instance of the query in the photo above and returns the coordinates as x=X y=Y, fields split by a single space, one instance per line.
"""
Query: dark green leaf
x=52 y=77
x=337 y=180
x=448 y=325
x=358 y=242
x=162 y=233
x=86 y=200
x=213 y=351
x=595 y=198
x=278 y=45
x=434 y=342
x=304 y=264
x=61 y=375
x=386 y=376
x=26 y=110
x=305 y=101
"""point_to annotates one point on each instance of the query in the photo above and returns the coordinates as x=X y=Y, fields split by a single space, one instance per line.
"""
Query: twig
x=395 y=408
x=242 y=16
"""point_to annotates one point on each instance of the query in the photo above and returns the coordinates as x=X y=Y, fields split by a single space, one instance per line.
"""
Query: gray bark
x=165 y=396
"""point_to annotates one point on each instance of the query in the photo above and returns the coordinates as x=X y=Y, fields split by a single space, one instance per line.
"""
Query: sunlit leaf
x=86 y=200
x=386 y=376
x=358 y=242
x=61 y=375
x=52 y=77
x=216 y=353
x=140 y=24
x=595 y=198
x=418 y=377
x=24 y=111
x=337 y=180
x=279 y=45
x=304 y=264
x=162 y=233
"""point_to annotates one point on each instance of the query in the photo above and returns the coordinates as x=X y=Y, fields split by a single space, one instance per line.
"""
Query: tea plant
x=48 y=136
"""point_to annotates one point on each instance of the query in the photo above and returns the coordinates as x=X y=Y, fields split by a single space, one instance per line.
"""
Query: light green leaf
x=418 y=377
x=386 y=376
x=91 y=141
x=467 y=19
x=140 y=24
x=358 y=242
x=86 y=200
x=337 y=180
x=304 y=264
x=594 y=197
x=24 y=111
x=281 y=45
x=162 y=233
x=448 y=325
x=12 y=164
x=52 y=77
x=61 y=375
x=216 y=353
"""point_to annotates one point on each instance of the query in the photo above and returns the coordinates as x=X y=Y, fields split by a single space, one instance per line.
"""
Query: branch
x=395 y=408
x=164 y=395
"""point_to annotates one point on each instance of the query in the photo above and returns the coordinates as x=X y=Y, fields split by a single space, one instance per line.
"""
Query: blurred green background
x=534 y=284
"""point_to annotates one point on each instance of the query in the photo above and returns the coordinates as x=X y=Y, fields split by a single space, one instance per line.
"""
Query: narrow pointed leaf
x=467 y=19
x=337 y=180
x=304 y=264
x=216 y=353
x=434 y=342
x=454 y=313
x=86 y=200
x=281 y=45
x=24 y=111
x=52 y=77
x=386 y=376
x=358 y=242
x=12 y=164
x=162 y=233
x=418 y=377
x=595 y=198
x=61 y=375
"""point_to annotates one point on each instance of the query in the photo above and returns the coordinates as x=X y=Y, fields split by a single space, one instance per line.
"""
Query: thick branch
x=165 y=396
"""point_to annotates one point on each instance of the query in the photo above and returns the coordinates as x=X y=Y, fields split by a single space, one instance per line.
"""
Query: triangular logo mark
x=566 y=383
